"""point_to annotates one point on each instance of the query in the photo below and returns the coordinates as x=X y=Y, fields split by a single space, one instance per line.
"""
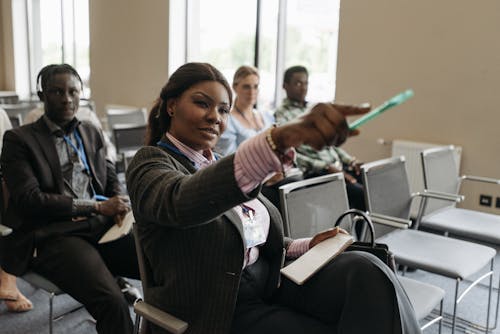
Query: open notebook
x=116 y=232
x=313 y=260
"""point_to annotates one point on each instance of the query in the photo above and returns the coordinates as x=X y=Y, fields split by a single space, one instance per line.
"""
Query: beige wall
x=128 y=51
x=7 y=81
x=448 y=52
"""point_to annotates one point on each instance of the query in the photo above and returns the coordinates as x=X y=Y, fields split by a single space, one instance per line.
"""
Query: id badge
x=254 y=232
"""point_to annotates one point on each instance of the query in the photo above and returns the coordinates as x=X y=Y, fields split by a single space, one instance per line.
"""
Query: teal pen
x=392 y=102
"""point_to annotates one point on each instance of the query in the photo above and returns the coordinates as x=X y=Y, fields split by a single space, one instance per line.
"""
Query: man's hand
x=355 y=167
x=324 y=125
x=349 y=178
x=116 y=205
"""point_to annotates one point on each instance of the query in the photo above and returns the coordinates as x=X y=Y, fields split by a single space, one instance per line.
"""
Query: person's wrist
x=272 y=138
x=276 y=141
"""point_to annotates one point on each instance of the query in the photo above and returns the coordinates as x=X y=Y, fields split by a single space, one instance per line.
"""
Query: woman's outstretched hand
x=324 y=125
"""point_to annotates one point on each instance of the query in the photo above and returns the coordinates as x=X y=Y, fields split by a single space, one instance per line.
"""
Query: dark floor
x=472 y=307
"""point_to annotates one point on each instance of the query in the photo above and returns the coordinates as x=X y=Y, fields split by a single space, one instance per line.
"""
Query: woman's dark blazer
x=192 y=239
x=32 y=172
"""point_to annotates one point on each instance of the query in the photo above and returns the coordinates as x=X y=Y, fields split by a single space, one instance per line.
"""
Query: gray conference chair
x=441 y=175
x=312 y=205
x=388 y=197
x=147 y=312
x=128 y=139
x=16 y=120
x=22 y=108
x=125 y=115
x=8 y=97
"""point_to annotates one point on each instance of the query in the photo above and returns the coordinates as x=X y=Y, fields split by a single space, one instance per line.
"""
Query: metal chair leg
x=455 y=306
x=441 y=316
x=51 y=311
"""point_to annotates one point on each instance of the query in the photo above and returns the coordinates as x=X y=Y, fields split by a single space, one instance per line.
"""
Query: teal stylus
x=392 y=102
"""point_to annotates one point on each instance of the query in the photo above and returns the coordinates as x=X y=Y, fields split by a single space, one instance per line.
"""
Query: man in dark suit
x=64 y=195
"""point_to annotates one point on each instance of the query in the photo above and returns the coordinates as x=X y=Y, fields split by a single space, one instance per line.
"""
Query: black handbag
x=379 y=250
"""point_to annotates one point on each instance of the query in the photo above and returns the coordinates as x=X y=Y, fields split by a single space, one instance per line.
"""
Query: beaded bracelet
x=270 y=141
x=274 y=147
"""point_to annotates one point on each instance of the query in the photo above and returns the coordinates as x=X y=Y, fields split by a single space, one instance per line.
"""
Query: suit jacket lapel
x=48 y=148
x=233 y=217
x=230 y=214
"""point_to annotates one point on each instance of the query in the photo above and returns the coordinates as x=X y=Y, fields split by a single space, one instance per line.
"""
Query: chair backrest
x=129 y=137
x=441 y=173
x=7 y=97
x=387 y=189
x=16 y=120
x=125 y=115
x=22 y=109
x=312 y=205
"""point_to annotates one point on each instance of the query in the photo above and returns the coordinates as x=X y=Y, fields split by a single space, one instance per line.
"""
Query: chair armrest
x=390 y=220
x=480 y=179
x=4 y=230
x=160 y=318
x=440 y=195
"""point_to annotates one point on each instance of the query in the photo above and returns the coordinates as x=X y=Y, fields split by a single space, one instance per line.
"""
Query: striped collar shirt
x=201 y=159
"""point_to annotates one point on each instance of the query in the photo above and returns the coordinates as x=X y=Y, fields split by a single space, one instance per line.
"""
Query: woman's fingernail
x=365 y=105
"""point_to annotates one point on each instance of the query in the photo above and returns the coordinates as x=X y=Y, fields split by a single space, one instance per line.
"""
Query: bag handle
x=365 y=218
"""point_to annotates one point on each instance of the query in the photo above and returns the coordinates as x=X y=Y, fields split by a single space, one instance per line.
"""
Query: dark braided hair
x=49 y=71
x=181 y=80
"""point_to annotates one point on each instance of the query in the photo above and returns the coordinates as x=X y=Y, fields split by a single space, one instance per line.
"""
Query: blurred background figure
x=330 y=159
x=244 y=120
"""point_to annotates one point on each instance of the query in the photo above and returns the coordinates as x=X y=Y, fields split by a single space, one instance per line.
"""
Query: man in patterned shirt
x=328 y=160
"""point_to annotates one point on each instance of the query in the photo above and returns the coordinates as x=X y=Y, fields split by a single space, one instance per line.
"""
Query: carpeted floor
x=37 y=320
x=472 y=307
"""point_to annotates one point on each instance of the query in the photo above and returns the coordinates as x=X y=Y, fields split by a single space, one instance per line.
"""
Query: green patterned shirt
x=307 y=158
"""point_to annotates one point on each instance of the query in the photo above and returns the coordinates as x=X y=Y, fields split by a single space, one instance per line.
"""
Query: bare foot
x=8 y=287
x=8 y=295
x=21 y=304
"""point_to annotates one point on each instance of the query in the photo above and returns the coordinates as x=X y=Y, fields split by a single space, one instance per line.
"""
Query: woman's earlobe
x=170 y=107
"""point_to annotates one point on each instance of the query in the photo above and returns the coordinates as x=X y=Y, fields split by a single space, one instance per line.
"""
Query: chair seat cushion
x=465 y=223
x=423 y=296
x=437 y=254
x=42 y=283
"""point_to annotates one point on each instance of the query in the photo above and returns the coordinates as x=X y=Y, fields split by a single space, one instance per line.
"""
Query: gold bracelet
x=270 y=141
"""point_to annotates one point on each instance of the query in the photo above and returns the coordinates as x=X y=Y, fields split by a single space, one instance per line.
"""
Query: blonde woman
x=244 y=120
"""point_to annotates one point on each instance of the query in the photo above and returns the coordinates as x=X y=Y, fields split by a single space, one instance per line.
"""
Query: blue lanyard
x=174 y=149
x=80 y=151
x=248 y=211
